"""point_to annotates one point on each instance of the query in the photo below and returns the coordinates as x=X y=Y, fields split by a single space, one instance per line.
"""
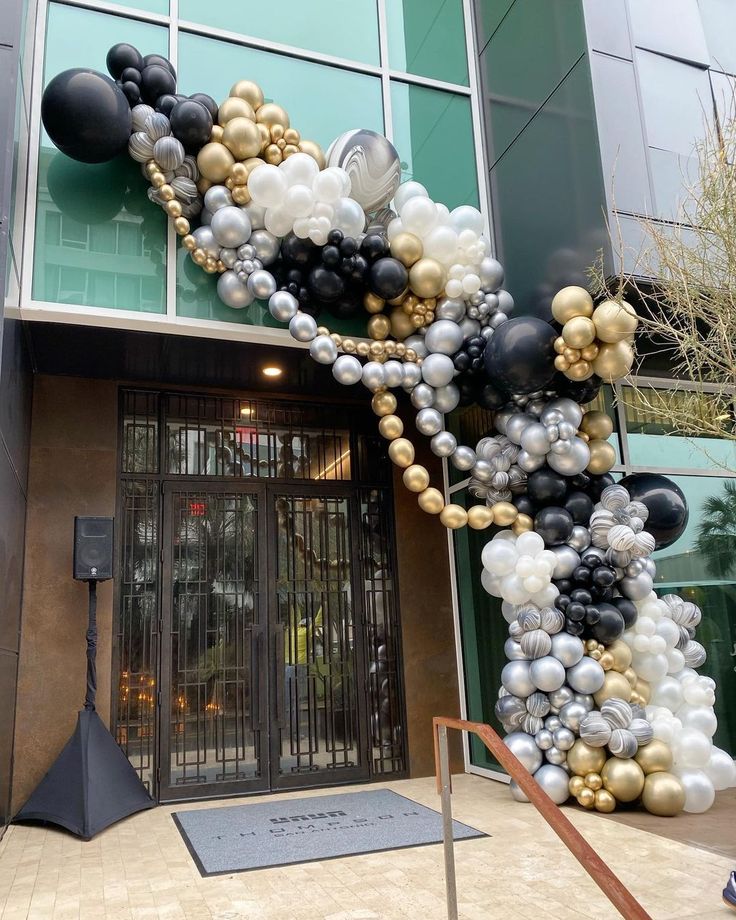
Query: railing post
x=447 y=837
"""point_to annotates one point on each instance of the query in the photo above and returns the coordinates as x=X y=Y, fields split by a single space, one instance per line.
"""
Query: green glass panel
x=99 y=240
x=701 y=567
x=427 y=37
x=433 y=132
x=211 y=66
x=489 y=15
x=346 y=30
x=532 y=49
x=548 y=198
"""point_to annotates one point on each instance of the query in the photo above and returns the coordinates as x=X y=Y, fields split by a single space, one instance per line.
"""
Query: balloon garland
x=600 y=695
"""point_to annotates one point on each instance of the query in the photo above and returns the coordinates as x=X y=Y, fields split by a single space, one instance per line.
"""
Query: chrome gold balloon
x=401 y=452
x=614 y=685
x=401 y=325
x=454 y=517
x=416 y=477
x=480 y=517
x=614 y=361
x=407 y=248
x=597 y=425
x=580 y=370
x=250 y=91
x=391 y=427
x=663 y=795
x=215 y=162
x=578 y=332
x=431 y=501
x=234 y=107
x=270 y=114
x=604 y=801
x=615 y=322
x=624 y=779
x=602 y=457
x=655 y=757
x=313 y=149
x=383 y=403
x=240 y=136
x=379 y=326
x=523 y=524
x=571 y=301
x=504 y=513
x=427 y=278
x=373 y=303
x=584 y=759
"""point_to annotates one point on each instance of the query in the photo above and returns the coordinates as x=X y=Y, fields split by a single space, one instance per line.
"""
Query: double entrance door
x=262 y=657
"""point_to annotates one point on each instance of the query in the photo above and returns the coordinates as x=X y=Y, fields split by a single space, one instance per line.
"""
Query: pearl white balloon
x=268 y=188
x=347 y=370
x=699 y=791
x=499 y=556
x=554 y=781
x=302 y=326
x=418 y=215
x=299 y=169
x=524 y=748
x=438 y=370
x=720 y=770
x=692 y=749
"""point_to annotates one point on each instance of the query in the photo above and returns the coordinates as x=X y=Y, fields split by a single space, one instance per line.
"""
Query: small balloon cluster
x=600 y=695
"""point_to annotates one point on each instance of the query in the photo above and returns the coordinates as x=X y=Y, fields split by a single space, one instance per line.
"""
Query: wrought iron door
x=214 y=686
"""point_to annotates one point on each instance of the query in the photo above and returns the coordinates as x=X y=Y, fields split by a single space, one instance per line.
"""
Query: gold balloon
x=401 y=452
x=401 y=324
x=416 y=477
x=578 y=332
x=586 y=797
x=561 y=363
x=189 y=242
x=234 y=107
x=576 y=785
x=614 y=684
x=241 y=195
x=615 y=322
x=623 y=778
x=216 y=134
x=431 y=501
x=571 y=354
x=426 y=278
x=454 y=517
x=480 y=517
x=614 y=361
x=583 y=759
x=655 y=757
x=407 y=248
x=313 y=149
x=571 y=301
x=663 y=795
x=580 y=370
x=602 y=457
x=373 y=303
x=523 y=524
x=173 y=208
x=604 y=801
x=621 y=655
x=270 y=114
x=384 y=403
x=630 y=675
x=644 y=691
x=606 y=661
x=391 y=426
x=379 y=326
x=589 y=353
x=215 y=162
x=504 y=513
x=250 y=91
x=593 y=781
x=242 y=139
x=597 y=424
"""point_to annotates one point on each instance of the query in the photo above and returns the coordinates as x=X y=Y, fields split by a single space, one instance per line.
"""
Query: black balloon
x=597 y=484
x=208 y=102
x=86 y=115
x=609 y=626
x=121 y=56
x=132 y=92
x=524 y=505
x=156 y=81
x=490 y=398
x=667 y=506
x=165 y=104
x=581 y=391
x=374 y=246
x=388 y=278
x=627 y=609
x=296 y=251
x=545 y=487
x=131 y=75
x=325 y=284
x=554 y=525
x=191 y=123
x=520 y=355
x=580 y=507
x=160 y=60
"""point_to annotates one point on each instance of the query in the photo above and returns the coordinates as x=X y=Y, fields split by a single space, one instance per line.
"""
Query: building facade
x=282 y=615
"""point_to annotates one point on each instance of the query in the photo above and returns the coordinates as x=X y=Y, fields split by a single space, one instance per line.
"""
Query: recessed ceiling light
x=272 y=371
x=246 y=410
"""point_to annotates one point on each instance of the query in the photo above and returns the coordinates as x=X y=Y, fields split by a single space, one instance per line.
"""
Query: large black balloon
x=520 y=355
x=627 y=609
x=668 y=511
x=156 y=81
x=545 y=487
x=610 y=625
x=388 y=278
x=86 y=115
x=580 y=507
x=121 y=56
x=208 y=102
x=554 y=525
x=191 y=123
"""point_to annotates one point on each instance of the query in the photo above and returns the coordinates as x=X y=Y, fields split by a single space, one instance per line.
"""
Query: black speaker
x=93 y=548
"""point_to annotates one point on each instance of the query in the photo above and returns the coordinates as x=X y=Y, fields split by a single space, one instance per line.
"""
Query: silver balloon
x=491 y=301
x=585 y=699
x=429 y=422
x=347 y=370
x=567 y=561
x=323 y=350
x=558 y=698
x=232 y=292
x=547 y=673
x=282 y=306
x=534 y=439
x=411 y=376
x=637 y=588
x=562 y=410
x=216 y=197
x=469 y=327
x=444 y=337
x=516 y=679
x=502 y=419
x=650 y=567
x=586 y=676
x=262 y=285
x=544 y=739
x=554 y=781
x=513 y=651
x=373 y=375
x=516 y=425
x=498 y=319
x=446 y=308
x=599 y=553
x=491 y=274
x=463 y=458
x=438 y=370
x=530 y=462
x=552 y=723
x=525 y=749
x=206 y=240
x=417 y=343
x=303 y=327
x=572 y=714
x=256 y=215
x=483 y=471
x=516 y=794
x=554 y=754
x=580 y=538
x=422 y=396
x=228 y=257
x=567 y=649
x=565 y=430
x=634 y=568
x=266 y=246
x=230 y=226
x=505 y=302
x=393 y=371
x=574 y=461
x=443 y=444
x=446 y=398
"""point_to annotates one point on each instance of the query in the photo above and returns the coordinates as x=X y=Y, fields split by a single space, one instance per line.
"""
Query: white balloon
x=419 y=215
x=268 y=188
x=721 y=770
x=499 y=556
x=699 y=791
x=490 y=583
x=466 y=217
x=299 y=201
x=529 y=543
x=692 y=749
x=668 y=692
x=701 y=718
x=328 y=185
x=279 y=221
x=299 y=169
x=441 y=244
x=349 y=217
x=513 y=590
x=408 y=190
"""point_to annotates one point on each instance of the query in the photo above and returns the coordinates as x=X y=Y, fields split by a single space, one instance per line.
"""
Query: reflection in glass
x=214 y=716
x=427 y=37
x=316 y=677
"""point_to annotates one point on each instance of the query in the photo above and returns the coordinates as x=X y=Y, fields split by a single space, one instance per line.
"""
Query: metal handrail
x=613 y=888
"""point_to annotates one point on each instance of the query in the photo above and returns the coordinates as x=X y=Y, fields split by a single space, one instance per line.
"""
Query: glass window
x=433 y=132
x=99 y=241
x=653 y=443
x=346 y=30
x=701 y=567
x=427 y=37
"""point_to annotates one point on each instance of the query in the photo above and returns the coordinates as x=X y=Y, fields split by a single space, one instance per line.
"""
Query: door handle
x=280 y=665
x=256 y=716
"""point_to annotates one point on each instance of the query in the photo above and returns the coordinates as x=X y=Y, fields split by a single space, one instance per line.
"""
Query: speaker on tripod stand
x=91 y=783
